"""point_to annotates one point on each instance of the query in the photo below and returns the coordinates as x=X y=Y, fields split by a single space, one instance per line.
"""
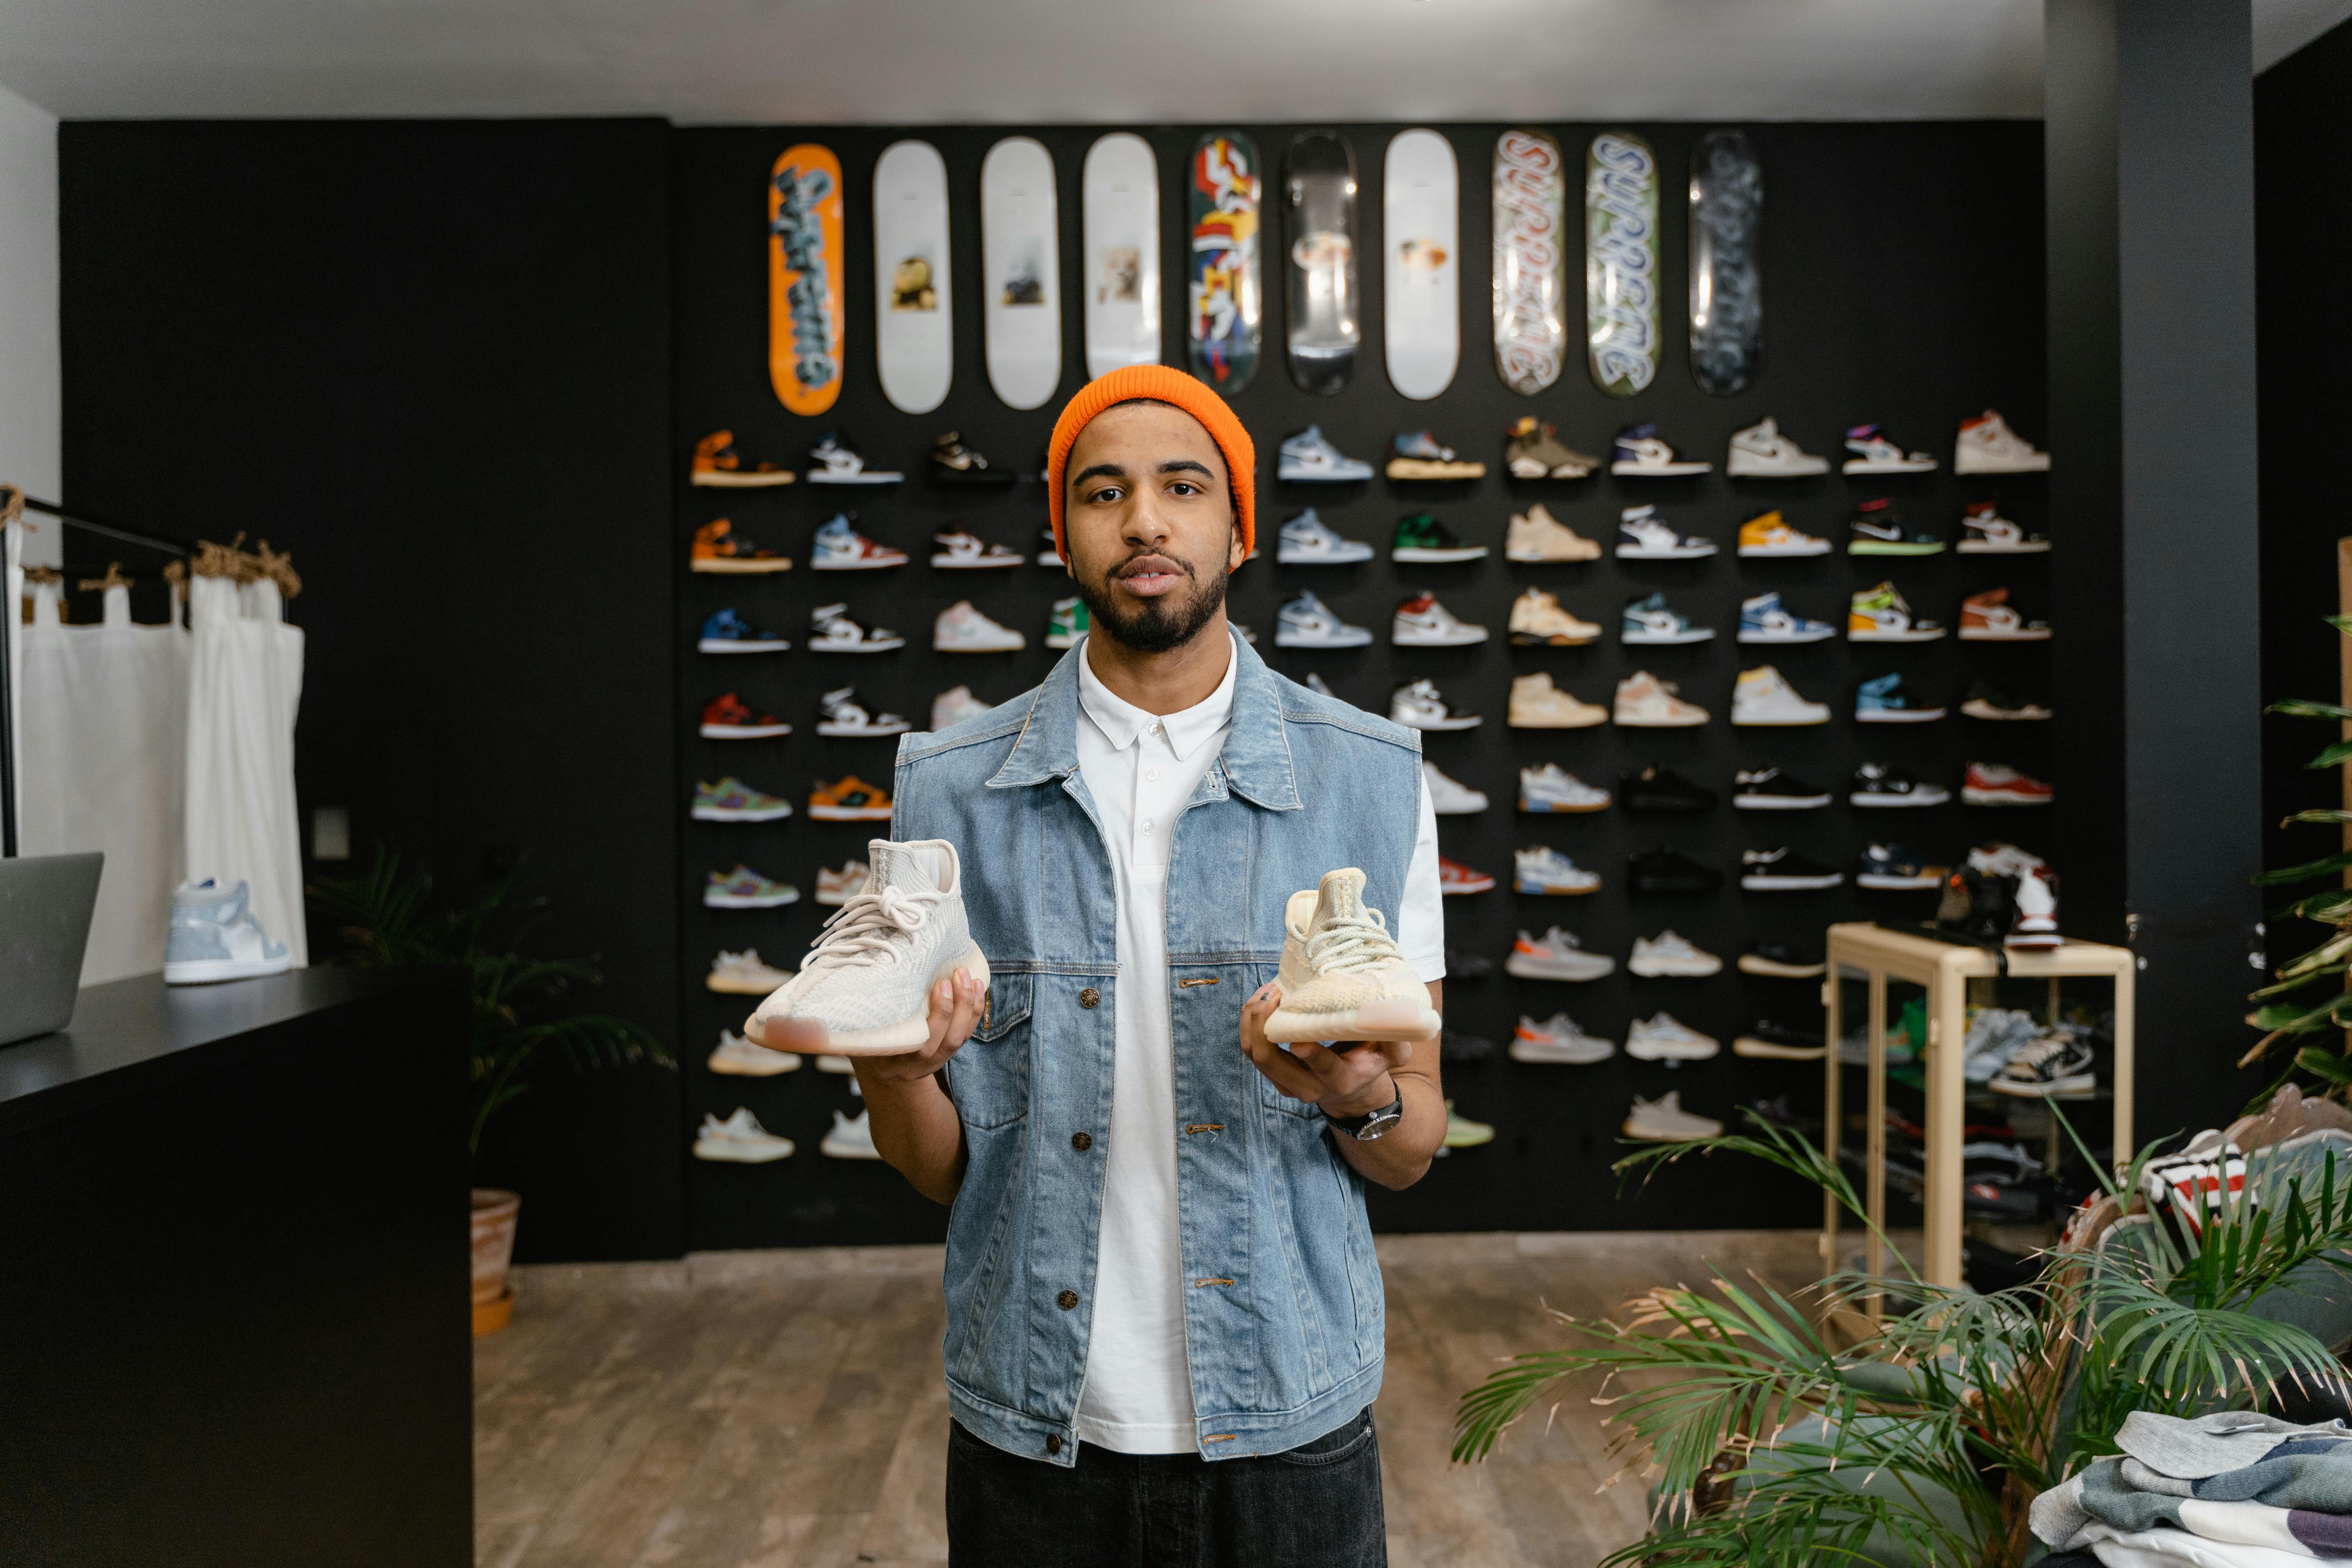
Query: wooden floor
x=785 y=1409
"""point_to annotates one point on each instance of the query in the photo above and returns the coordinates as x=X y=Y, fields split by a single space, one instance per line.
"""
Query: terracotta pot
x=494 y=1235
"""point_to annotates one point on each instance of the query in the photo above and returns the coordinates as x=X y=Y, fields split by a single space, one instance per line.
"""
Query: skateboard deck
x=1421 y=225
x=1726 y=296
x=805 y=279
x=1621 y=263
x=1530 y=260
x=1226 y=305
x=1021 y=273
x=1319 y=177
x=914 y=323
x=1121 y=186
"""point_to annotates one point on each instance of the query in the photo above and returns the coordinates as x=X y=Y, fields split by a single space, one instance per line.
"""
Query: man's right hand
x=956 y=1003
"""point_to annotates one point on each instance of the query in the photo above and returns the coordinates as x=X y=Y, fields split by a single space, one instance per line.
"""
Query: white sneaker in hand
x=1342 y=977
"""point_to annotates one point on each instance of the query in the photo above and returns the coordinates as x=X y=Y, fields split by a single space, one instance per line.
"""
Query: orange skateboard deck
x=805 y=279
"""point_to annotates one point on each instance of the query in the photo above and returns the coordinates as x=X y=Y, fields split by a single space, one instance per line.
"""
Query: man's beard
x=1157 y=624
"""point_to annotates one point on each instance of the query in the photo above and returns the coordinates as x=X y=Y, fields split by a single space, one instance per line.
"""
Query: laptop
x=45 y=903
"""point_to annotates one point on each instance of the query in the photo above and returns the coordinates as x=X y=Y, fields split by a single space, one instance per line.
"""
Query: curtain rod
x=128 y=536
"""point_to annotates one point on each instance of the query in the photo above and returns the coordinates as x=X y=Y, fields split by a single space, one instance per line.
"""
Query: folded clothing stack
x=2235 y=1489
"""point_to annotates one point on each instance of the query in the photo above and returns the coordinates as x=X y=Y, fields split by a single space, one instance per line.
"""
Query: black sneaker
x=1986 y=700
x=1468 y=965
x=1977 y=905
x=953 y=463
x=1784 y=871
x=1769 y=789
x=1663 y=789
x=1881 y=784
x=1460 y=1047
x=1665 y=871
x=1783 y=962
x=1769 y=1041
x=1892 y=866
x=2054 y=1064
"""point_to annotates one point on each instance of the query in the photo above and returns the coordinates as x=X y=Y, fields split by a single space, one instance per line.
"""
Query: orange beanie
x=1167 y=384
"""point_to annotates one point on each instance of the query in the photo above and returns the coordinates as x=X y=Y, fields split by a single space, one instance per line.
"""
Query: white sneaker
x=1421 y=705
x=1762 y=695
x=832 y=631
x=841 y=548
x=838 y=1066
x=1764 y=619
x=832 y=463
x=1543 y=870
x=849 y=1140
x=1642 y=535
x=955 y=705
x=1984 y=531
x=1646 y=702
x=739 y=1057
x=1558 y=956
x=1882 y=614
x=1987 y=446
x=1663 y=1120
x=1668 y=956
x=864 y=989
x=1559 y=1041
x=1307 y=541
x=1308 y=622
x=1650 y=621
x=1447 y=798
x=1640 y=453
x=962 y=629
x=1341 y=975
x=1537 y=704
x=1538 y=621
x=1874 y=453
x=1761 y=452
x=1535 y=536
x=739 y=1139
x=742 y=975
x=844 y=715
x=1422 y=622
x=1307 y=459
x=215 y=935
x=1549 y=788
x=1663 y=1039
x=837 y=888
x=962 y=552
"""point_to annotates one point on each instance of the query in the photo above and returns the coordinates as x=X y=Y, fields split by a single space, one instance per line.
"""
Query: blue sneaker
x=1649 y=621
x=1882 y=701
x=1308 y=540
x=1764 y=619
x=215 y=935
x=1308 y=457
x=727 y=632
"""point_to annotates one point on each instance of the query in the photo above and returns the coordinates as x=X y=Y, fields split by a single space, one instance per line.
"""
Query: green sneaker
x=1068 y=624
x=1876 y=529
x=1461 y=1132
x=1421 y=537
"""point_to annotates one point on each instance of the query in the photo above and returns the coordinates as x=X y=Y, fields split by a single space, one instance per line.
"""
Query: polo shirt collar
x=1121 y=722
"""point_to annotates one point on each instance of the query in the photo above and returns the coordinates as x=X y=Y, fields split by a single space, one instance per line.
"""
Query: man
x=1165 y=1324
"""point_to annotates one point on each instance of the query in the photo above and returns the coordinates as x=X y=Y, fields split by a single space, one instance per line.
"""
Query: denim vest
x=1282 y=1316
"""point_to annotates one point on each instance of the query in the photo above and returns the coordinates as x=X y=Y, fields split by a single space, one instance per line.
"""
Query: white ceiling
x=1133 y=61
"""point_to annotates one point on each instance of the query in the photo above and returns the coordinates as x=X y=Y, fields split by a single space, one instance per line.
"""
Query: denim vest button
x=1067 y=1299
x=1053 y=1442
x=1082 y=1142
x=1090 y=998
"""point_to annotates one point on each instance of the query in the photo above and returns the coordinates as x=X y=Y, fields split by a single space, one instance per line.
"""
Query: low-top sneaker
x=1461 y=1132
x=1989 y=617
x=1670 y=871
x=732 y=800
x=841 y=548
x=1877 y=528
x=831 y=462
x=1460 y=965
x=1995 y=783
x=843 y=714
x=1418 y=454
x=1784 y=871
x=1308 y=622
x=739 y=1139
x=1556 y=955
x=1643 y=701
x=1447 y=797
x=832 y=631
x=1990 y=533
x=1537 y=704
x=2054 y=1064
x=1421 y=705
x=1665 y=1038
x=1767 y=536
x=1763 y=696
x=727 y=632
x=1067 y=622
x=961 y=628
x=849 y=799
x=1769 y=1041
x=214 y=935
x=1644 y=535
x=1987 y=701
x=1873 y=453
x=1457 y=881
x=718 y=548
x=1663 y=789
x=954 y=463
x=962 y=550
x=1663 y=1120
x=1307 y=541
x=1769 y=789
x=955 y=705
x=1550 y=789
x=1764 y=619
x=1892 y=866
x=1666 y=956
x=1781 y=962
x=1307 y=459
x=1761 y=452
x=1883 y=701
x=742 y=975
x=1538 y=621
x=1884 y=784
x=1342 y=975
x=1422 y=622
x=1532 y=450
x=744 y=889
x=719 y=465
x=739 y=1058
x=1540 y=869
x=851 y=1138
x=730 y=718
x=1421 y=538
x=1987 y=446
x=1457 y=1046
x=1641 y=453
x=1650 y=621
x=1558 y=1041
x=837 y=888
x=1535 y=537
x=1880 y=615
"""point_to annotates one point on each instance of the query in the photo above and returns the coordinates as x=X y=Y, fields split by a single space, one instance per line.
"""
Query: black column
x=2148 y=116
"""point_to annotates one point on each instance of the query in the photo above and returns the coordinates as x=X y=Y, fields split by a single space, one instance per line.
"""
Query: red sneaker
x=729 y=718
x=1453 y=877
x=1992 y=783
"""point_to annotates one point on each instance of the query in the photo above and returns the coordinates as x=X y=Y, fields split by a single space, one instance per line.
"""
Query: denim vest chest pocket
x=989 y=1079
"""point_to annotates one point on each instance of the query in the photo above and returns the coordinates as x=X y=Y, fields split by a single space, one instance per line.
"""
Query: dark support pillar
x=2148 y=119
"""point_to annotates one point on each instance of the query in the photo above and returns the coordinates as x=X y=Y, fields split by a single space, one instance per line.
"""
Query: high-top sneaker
x=1989 y=617
x=1308 y=622
x=1877 y=528
x=839 y=547
x=1990 y=533
x=831 y=462
x=1418 y=454
x=1767 y=536
x=1763 y=696
x=1421 y=538
x=1881 y=614
x=845 y=715
x=717 y=463
x=215 y=935
x=1067 y=622
x=1650 y=620
x=953 y=463
x=1761 y=452
x=1342 y=976
x=1641 y=452
x=2035 y=922
x=1422 y=622
x=1883 y=701
x=719 y=548
x=1874 y=453
x=1537 y=537
x=1644 y=535
x=960 y=550
x=834 y=632
x=1766 y=620
x=1538 y=621
x=1645 y=701
x=962 y=628
x=1307 y=541
x=1534 y=452
x=1987 y=446
x=1419 y=705
x=1309 y=458
x=1537 y=704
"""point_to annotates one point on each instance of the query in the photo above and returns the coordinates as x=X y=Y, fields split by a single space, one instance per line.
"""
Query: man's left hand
x=1350 y=1078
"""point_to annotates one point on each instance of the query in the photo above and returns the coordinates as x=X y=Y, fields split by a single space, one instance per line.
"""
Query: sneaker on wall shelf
x=744 y=889
x=729 y=718
x=1558 y=1041
x=1556 y=955
x=1532 y=449
x=1987 y=446
x=1418 y=454
x=842 y=715
x=831 y=630
x=1761 y=452
x=833 y=461
x=718 y=466
x=1538 y=621
x=1987 y=532
x=959 y=550
x=1309 y=458
x=1873 y=453
x=839 y=547
x=1767 y=536
x=1536 y=538
x=955 y=464
x=1663 y=1120
x=739 y=1058
x=1641 y=453
x=718 y=548
x=739 y=1139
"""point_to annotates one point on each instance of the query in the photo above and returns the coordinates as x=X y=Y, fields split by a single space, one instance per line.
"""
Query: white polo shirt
x=1140 y=768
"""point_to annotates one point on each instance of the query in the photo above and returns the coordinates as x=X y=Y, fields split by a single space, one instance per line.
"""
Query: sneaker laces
x=868 y=930
x=1352 y=944
x=2040 y=1052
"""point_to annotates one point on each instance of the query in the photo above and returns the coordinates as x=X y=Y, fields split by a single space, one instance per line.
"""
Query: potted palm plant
x=385 y=923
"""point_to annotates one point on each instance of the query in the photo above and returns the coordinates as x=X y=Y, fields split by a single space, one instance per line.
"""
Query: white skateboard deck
x=1021 y=271
x=914 y=323
x=1122 y=254
x=1530 y=260
x=1421 y=236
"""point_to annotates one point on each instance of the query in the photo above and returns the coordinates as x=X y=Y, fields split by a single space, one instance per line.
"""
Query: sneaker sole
x=727 y=986
x=736 y=902
x=857 y=479
x=849 y=813
x=1526 y=968
x=848 y=1150
x=1282 y=641
x=1281 y=560
x=1653 y=552
x=1403 y=1019
x=738 y=568
x=943 y=563
x=1423 y=469
x=1766 y=1050
x=727 y=645
x=1824 y=635
x=1320 y=477
x=855 y=731
x=890 y=646
x=1557 y=723
x=1441 y=725
x=1439 y=557
x=722 y=480
x=977 y=648
x=1996 y=715
x=1424 y=640
x=1558 y=810
x=1862 y=797
x=1537 y=558
x=1778 y=801
x=1739 y=470
x=1984 y=547
x=1751 y=965
x=1666 y=640
x=2082 y=1083
x=1662 y=471
x=1662 y=1135
x=1879 y=880
x=785 y=1062
x=1654 y=971
x=1884 y=465
x=1777 y=723
x=1881 y=547
x=702 y=813
x=2029 y=466
x=746 y=731
x=1782 y=551
x=1973 y=634
x=1554 y=893
x=728 y=1153
x=2000 y=798
x=1934 y=636
x=1790 y=884
x=862 y=563
x=1554 y=639
x=812 y=1036
x=1558 y=1056
x=211 y=971
x=1464 y=889
x=2035 y=942
x=1644 y=1053
x=1896 y=715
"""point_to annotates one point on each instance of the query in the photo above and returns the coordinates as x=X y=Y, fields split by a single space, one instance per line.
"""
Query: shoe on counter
x=729 y=718
x=2054 y=1064
x=1308 y=622
x=955 y=705
x=1670 y=871
x=1784 y=871
x=1543 y=871
x=1067 y=622
x=1761 y=452
x=1781 y=961
x=1457 y=1046
x=1890 y=866
x=1448 y=798
x=850 y=799
x=953 y=463
x=1307 y=459
x=850 y=1139
x=1987 y=446
x=1662 y=789
x=832 y=631
x=1419 y=705
x=962 y=550
x=727 y=632
x=1550 y=789
x=1663 y=1120
x=1880 y=615
x=1883 y=701
x=1532 y=450
x=1874 y=453
x=1421 y=538
x=1769 y=789
x=1990 y=533
x=962 y=628
x=1641 y=453
x=1417 y=455
x=732 y=800
x=1538 y=621
x=841 y=548
x=742 y=975
x=1764 y=619
x=1665 y=1038
x=831 y=462
x=739 y=1058
x=1987 y=701
x=1877 y=528
x=837 y=888
x=1537 y=704
x=1342 y=976
x=744 y=889
x=1763 y=696
x=844 y=715
x=1644 y=535
x=1457 y=881
x=1461 y=1132
x=1648 y=620
x=719 y=548
x=1422 y=622
x=215 y=935
x=1989 y=617
x=1558 y=1041
x=1776 y=1042
x=1536 y=538
x=1884 y=784
x=2034 y=922
x=1670 y=957
x=1995 y=783
x=1767 y=536
x=1557 y=955
x=717 y=463
x=1643 y=701
x=739 y=1139
x=1307 y=541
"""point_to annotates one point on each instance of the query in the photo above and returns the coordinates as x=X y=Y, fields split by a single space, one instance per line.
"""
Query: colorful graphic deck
x=1621 y=263
x=914 y=323
x=1020 y=269
x=1421 y=222
x=1122 y=254
x=1726 y=296
x=1530 y=260
x=804 y=281
x=1226 y=196
x=1319 y=179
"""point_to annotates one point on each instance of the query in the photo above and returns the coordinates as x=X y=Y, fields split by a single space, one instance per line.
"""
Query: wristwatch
x=1373 y=1124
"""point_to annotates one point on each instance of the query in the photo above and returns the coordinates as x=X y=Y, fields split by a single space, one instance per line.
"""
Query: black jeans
x=1316 y=1506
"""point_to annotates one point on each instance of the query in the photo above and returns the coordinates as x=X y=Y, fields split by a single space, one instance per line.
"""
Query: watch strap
x=1353 y=1126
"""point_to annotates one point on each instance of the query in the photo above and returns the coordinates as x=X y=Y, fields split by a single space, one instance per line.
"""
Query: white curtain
x=245 y=685
x=12 y=590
